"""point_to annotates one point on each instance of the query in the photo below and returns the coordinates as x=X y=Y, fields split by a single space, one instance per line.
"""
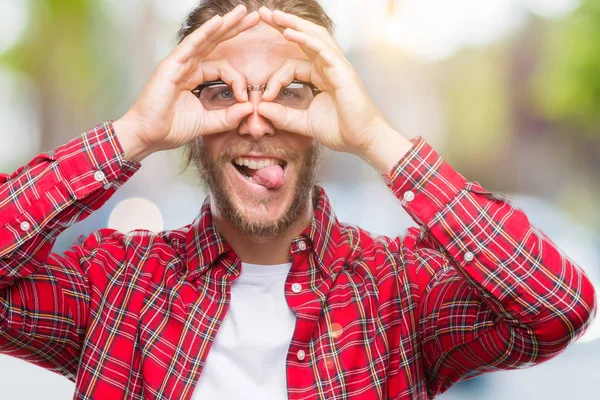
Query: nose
x=255 y=125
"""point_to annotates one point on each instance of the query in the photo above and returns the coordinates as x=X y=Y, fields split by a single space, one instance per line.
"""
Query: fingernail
x=265 y=93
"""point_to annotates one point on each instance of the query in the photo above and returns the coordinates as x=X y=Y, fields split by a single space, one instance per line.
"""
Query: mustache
x=262 y=147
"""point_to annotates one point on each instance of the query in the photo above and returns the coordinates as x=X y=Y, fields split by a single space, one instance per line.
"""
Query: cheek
x=213 y=145
x=302 y=144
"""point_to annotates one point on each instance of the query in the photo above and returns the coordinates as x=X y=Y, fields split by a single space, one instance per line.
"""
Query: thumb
x=285 y=118
x=228 y=118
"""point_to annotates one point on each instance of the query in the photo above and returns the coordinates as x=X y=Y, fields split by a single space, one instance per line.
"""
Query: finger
x=295 y=22
x=290 y=70
x=189 y=45
x=198 y=44
x=246 y=23
x=266 y=15
x=229 y=19
x=302 y=25
x=313 y=47
x=228 y=118
x=234 y=28
x=222 y=69
x=285 y=118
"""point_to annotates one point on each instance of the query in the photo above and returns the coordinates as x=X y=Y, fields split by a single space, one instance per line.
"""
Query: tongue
x=270 y=177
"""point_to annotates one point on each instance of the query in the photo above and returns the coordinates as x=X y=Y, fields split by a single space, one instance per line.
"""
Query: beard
x=212 y=177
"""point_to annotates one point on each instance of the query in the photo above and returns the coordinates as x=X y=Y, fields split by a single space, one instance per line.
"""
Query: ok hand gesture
x=343 y=116
x=166 y=114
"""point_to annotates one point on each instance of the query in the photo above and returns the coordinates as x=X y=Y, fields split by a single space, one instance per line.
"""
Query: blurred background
x=508 y=91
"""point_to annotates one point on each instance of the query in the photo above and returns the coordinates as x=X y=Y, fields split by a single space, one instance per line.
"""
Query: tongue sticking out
x=270 y=177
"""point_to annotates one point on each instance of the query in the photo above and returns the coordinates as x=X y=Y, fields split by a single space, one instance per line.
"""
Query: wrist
x=127 y=133
x=387 y=147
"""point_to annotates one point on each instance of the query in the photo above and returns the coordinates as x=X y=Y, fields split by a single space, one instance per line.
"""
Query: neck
x=266 y=250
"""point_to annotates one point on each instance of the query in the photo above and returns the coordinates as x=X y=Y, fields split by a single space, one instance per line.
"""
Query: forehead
x=258 y=52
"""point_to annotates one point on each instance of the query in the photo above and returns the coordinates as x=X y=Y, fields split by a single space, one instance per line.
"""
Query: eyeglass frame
x=251 y=88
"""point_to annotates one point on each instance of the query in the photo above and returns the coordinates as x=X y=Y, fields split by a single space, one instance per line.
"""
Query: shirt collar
x=204 y=244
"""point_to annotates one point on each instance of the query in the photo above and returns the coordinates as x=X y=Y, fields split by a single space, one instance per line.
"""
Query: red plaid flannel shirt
x=474 y=288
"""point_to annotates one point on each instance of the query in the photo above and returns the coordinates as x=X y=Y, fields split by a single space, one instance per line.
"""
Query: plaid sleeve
x=43 y=296
x=495 y=292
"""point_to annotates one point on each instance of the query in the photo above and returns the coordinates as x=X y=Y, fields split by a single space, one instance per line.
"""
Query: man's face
x=251 y=207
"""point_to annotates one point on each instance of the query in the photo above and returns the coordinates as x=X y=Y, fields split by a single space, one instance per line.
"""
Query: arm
x=44 y=296
x=494 y=292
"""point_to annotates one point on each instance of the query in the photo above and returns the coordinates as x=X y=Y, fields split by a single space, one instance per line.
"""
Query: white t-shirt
x=247 y=359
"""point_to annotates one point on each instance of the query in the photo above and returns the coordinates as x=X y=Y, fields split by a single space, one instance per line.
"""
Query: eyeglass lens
x=219 y=95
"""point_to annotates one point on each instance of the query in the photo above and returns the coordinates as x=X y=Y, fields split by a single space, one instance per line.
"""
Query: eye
x=287 y=93
x=213 y=91
x=220 y=92
x=294 y=89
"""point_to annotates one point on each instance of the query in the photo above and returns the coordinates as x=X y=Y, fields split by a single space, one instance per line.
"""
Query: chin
x=261 y=193
x=262 y=212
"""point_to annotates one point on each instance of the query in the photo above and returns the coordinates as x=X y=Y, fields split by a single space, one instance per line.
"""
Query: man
x=265 y=294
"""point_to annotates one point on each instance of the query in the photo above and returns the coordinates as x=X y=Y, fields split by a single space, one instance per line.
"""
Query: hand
x=343 y=116
x=167 y=114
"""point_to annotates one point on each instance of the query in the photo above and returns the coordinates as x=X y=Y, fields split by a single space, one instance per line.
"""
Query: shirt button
x=296 y=288
x=409 y=195
x=301 y=355
x=302 y=245
x=469 y=256
x=25 y=226
x=99 y=175
x=107 y=186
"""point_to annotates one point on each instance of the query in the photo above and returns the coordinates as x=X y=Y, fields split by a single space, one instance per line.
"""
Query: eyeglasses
x=216 y=95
